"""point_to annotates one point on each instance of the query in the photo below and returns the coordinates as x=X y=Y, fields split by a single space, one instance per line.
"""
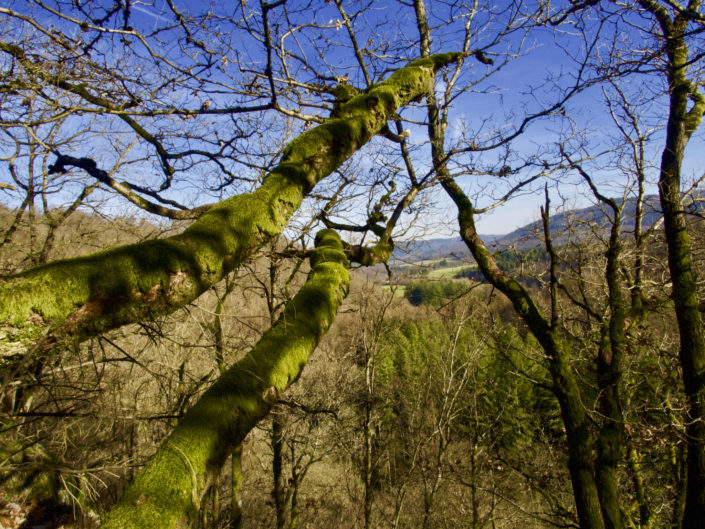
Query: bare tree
x=88 y=295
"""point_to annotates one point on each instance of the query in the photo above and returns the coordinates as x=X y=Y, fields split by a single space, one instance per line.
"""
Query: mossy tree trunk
x=565 y=385
x=77 y=298
x=167 y=493
x=682 y=123
x=610 y=359
x=685 y=297
x=80 y=297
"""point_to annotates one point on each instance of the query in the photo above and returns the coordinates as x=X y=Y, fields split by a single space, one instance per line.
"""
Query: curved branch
x=124 y=188
x=168 y=491
x=80 y=297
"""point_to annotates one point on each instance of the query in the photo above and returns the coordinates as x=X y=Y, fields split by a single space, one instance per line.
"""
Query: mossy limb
x=168 y=491
x=84 y=296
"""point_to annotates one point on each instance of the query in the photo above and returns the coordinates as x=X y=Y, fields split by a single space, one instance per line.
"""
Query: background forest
x=182 y=197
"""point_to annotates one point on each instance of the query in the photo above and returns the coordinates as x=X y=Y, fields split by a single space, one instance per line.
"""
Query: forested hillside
x=207 y=315
x=564 y=223
x=437 y=412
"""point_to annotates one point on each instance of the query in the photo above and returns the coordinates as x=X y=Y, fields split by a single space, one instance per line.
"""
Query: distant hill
x=430 y=249
x=574 y=223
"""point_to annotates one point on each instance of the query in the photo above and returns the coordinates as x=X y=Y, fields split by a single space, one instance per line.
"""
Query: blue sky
x=524 y=85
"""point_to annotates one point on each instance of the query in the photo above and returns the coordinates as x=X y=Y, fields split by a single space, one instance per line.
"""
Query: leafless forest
x=212 y=311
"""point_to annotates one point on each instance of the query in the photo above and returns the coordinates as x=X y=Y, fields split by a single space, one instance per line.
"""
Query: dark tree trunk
x=278 y=492
x=682 y=122
x=565 y=386
x=236 y=489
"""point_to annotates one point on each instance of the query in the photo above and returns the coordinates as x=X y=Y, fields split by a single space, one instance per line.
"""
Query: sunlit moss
x=167 y=493
x=84 y=296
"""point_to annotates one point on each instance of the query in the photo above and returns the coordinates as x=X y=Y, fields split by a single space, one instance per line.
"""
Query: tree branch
x=168 y=491
x=88 y=295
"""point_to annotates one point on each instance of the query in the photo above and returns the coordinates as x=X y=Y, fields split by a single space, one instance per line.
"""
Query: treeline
x=436 y=292
x=433 y=293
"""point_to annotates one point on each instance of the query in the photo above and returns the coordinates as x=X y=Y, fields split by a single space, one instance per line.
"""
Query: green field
x=448 y=273
x=398 y=293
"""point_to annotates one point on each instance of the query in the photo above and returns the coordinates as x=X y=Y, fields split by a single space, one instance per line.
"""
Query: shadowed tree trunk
x=565 y=385
x=278 y=492
x=610 y=359
x=235 y=487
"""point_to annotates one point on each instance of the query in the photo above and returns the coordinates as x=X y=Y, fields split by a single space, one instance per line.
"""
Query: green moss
x=695 y=114
x=137 y=282
x=344 y=92
x=168 y=490
x=375 y=254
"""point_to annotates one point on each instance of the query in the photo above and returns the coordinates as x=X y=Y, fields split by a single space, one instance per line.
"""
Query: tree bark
x=635 y=469
x=167 y=493
x=566 y=389
x=690 y=324
x=610 y=357
x=278 y=492
x=368 y=433
x=681 y=124
x=235 y=489
x=680 y=470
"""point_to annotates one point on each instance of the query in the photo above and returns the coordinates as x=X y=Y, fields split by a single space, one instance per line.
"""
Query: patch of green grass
x=398 y=292
x=428 y=262
x=451 y=272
